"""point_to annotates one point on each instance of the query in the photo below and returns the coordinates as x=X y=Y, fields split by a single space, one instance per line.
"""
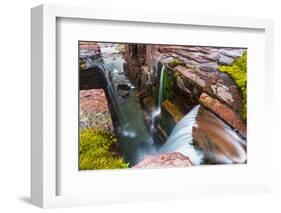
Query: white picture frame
x=44 y=155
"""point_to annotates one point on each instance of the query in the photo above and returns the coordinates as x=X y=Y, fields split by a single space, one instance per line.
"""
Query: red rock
x=220 y=143
x=94 y=110
x=174 y=159
x=193 y=49
x=147 y=103
x=214 y=83
x=93 y=100
x=190 y=74
x=89 y=49
x=224 y=112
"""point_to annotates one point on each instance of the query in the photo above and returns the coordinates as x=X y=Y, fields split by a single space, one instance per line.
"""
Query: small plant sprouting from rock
x=238 y=72
x=98 y=150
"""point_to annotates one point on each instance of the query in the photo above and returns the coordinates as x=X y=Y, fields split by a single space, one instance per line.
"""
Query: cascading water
x=160 y=96
x=109 y=85
x=180 y=139
x=157 y=112
x=136 y=140
x=134 y=137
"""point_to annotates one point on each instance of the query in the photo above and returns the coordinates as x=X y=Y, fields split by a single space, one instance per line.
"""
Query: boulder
x=174 y=159
x=233 y=53
x=94 y=110
x=222 y=91
x=225 y=60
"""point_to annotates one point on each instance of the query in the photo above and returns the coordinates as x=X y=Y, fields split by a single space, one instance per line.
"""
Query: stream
x=135 y=139
x=199 y=134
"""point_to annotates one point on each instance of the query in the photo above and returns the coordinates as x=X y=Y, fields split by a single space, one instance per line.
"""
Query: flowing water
x=221 y=144
x=180 y=139
x=134 y=137
x=156 y=113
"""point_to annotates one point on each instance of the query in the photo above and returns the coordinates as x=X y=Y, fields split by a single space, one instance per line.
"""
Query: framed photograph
x=131 y=106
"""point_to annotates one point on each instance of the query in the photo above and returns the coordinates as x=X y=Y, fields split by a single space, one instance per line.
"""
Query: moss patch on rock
x=99 y=150
x=168 y=84
x=175 y=62
x=238 y=72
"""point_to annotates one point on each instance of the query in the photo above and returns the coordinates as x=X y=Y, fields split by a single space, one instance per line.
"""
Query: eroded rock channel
x=166 y=105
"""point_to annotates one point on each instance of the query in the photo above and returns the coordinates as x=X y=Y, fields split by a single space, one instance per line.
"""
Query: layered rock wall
x=94 y=110
x=193 y=78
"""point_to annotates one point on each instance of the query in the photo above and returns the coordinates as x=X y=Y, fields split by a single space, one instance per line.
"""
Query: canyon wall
x=191 y=77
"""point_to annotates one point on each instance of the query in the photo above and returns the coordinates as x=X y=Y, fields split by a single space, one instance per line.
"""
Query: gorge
x=163 y=105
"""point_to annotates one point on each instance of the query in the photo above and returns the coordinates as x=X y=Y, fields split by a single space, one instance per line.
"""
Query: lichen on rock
x=238 y=72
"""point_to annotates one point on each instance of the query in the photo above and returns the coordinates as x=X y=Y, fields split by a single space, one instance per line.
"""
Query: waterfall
x=157 y=112
x=180 y=139
x=113 y=99
x=160 y=92
x=106 y=75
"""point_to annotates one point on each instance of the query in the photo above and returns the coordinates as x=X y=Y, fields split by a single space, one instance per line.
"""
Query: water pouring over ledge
x=136 y=141
x=180 y=139
x=156 y=113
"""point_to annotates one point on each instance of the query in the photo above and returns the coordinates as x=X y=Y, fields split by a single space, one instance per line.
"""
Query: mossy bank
x=99 y=150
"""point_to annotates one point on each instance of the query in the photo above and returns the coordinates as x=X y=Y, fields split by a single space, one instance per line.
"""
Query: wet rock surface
x=191 y=77
x=224 y=112
x=170 y=116
x=194 y=71
x=220 y=144
x=174 y=159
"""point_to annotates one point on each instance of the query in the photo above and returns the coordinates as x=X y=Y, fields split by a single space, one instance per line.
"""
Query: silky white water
x=180 y=139
x=135 y=140
x=157 y=112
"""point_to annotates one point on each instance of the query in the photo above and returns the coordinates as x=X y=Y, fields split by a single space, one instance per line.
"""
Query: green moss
x=165 y=85
x=98 y=150
x=168 y=85
x=176 y=62
x=176 y=74
x=238 y=72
